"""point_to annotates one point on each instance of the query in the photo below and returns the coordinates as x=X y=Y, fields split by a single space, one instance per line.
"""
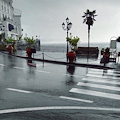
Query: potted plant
x=9 y=42
x=29 y=42
x=73 y=44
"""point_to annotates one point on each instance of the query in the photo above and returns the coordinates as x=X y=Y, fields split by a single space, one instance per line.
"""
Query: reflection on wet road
x=56 y=85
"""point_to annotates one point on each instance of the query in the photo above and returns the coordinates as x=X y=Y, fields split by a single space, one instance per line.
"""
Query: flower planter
x=10 y=49
x=29 y=53
x=71 y=56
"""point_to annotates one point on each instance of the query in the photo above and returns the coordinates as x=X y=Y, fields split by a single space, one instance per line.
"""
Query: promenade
x=61 y=57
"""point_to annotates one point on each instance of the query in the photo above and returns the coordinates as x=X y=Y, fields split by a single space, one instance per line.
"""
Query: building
x=10 y=21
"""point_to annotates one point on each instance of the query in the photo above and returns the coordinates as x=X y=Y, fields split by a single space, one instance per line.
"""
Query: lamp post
x=68 y=27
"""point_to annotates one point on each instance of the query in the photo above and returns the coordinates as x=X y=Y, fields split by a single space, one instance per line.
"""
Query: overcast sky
x=44 y=18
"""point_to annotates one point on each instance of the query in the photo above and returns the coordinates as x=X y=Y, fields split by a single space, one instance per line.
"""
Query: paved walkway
x=59 y=56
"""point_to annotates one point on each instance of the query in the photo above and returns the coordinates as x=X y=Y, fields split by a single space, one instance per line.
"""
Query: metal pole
x=88 y=42
x=67 y=43
x=43 y=55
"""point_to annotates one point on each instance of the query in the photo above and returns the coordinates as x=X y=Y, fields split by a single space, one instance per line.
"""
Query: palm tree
x=89 y=18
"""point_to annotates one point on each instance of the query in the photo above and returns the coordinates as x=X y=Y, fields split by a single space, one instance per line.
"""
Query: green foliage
x=19 y=38
x=9 y=40
x=30 y=41
x=89 y=17
x=73 y=41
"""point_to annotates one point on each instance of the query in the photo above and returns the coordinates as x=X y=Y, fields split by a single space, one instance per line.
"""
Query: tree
x=89 y=18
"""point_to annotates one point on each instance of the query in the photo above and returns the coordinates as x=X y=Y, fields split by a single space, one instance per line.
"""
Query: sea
x=57 y=51
x=61 y=47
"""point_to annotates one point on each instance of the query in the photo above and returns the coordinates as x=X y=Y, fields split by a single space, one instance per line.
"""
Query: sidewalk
x=61 y=57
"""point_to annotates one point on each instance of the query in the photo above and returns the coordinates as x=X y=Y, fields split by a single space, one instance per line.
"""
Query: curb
x=65 y=63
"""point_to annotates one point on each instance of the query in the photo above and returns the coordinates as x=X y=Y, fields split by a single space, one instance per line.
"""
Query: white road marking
x=102 y=73
x=2 y=65
x=101 y=70
x=95 y=93
x=74 y=75
x=102 y=109
x=42 y=71
x=19 y=68
x=101 y=81
x=108 y=71
x=17 y=90
x=100 y=76
x=36 y=70
x=76 y=99
x=99 y=86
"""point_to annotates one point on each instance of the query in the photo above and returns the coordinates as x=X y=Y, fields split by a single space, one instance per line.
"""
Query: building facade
x=10 y=21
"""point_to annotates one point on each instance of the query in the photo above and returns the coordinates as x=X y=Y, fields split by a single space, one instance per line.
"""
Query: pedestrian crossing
x=99 y=86
x=99 y=83
x=95 y=93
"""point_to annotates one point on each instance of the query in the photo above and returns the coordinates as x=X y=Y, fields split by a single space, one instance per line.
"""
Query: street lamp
x=68 y=27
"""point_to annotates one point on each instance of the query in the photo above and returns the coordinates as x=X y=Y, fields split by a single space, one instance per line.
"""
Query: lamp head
x=69 y=25
x=63 y=25
x=67 y=20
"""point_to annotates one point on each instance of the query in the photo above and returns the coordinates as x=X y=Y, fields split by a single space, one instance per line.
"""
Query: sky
x=44 y=18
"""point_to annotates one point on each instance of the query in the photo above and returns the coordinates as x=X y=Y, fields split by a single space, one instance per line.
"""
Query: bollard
x=43 y=55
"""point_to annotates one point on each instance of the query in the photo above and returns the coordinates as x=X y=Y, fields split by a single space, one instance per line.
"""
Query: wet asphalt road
x=57 y=92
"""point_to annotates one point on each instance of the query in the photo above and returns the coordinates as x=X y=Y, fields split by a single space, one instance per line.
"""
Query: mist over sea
x=61 y=47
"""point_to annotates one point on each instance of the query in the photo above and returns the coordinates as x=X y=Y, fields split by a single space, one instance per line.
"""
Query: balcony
x=17 y=12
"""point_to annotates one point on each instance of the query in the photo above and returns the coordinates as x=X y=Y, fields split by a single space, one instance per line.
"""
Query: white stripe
x=76 y=99
x=42 y=71
x=101 y=81
x=102 y=73
x=99 y=76
x=17 y=90
x=101 y=70
x=19 y=68
x=99 y=86
x=74 y=75
x=2 y=65
x=59 y=108
x=108 y=71
x=95 y=93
